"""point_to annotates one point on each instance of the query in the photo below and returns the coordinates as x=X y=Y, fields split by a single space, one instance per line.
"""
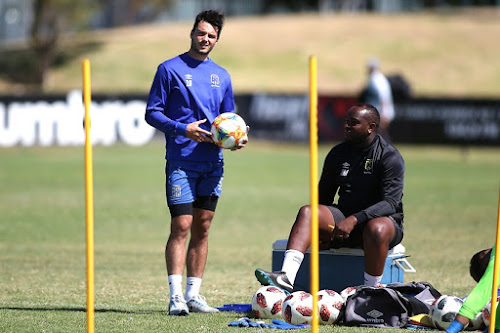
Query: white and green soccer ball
x=228 y=129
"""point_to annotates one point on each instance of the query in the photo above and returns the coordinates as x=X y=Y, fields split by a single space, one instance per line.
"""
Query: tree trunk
x=44 y=38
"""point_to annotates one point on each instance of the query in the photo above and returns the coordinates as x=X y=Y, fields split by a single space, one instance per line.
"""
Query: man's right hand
x=195 y=133
x=343 y=228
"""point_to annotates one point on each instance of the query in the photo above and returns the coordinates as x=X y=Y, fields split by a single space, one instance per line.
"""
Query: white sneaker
x=177 y=306
x=199 y=304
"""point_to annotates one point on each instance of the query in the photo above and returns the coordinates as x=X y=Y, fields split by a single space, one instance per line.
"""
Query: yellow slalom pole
x=313 y=162
x=494 y=289
x=89 y=200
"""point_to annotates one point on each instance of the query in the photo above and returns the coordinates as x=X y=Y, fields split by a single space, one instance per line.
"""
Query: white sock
x=291 y=264
x=371 y=280
x=193 y=285
x=175 y=284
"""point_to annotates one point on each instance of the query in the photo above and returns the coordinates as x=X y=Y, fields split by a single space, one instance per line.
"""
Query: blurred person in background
x=378 y=93
x=188 y=92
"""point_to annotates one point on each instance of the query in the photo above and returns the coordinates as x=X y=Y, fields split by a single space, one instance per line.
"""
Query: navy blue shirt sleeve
x=157 y=101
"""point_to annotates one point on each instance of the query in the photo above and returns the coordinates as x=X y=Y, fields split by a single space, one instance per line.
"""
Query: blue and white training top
x=185 y=90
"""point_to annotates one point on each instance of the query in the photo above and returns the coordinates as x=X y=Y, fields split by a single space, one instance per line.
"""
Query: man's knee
x=303 y=218
x=324 y=214
x=304 y=213
x=201 y=229
x=180 y=226
x=379 y=231
x=202 y=221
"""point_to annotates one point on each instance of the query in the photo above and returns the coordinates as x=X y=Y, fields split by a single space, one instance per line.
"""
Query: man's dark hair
x=479 y=263
x=214 y=17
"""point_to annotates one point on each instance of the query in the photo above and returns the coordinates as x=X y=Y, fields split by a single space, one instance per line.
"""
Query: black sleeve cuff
x=361 y=217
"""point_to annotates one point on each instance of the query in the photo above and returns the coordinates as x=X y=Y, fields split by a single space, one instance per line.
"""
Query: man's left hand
x=243 y=142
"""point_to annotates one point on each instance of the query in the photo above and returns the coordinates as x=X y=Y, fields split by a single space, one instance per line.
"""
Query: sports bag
x=389 y=306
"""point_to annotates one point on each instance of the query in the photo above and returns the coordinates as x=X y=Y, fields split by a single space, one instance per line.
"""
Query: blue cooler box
x=342 y=268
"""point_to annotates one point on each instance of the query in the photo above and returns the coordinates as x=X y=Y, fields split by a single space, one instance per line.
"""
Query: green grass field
x=450 y=199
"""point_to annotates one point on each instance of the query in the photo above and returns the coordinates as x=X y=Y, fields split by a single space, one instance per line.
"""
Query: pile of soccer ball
x=228 y=130
x=296 y=308
x=271 y=302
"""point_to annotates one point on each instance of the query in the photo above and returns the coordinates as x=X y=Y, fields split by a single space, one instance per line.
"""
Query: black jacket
x=369 y=181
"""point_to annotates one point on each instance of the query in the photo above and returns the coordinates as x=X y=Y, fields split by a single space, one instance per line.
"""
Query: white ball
x=477 y=323
x=347 y=292
x=267 y=302
x=487 y=312
x=443 y=311
x=329 y=305
x=228 y=129
x=297 y=308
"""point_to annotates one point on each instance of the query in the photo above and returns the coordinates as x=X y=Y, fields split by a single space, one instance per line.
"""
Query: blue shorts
x=188 y=180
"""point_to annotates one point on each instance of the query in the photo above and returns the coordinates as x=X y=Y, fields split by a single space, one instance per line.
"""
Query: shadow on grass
x=81 y=309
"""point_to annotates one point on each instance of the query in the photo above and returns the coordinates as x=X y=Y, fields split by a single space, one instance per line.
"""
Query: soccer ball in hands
x=228 y=130
x=443 y=311
x=297 y=308
x=329 y=305
x=267 y=302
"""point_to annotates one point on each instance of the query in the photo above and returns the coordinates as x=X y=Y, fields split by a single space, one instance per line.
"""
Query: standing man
x=187 y=93
x=379 y=94
x=368 y=174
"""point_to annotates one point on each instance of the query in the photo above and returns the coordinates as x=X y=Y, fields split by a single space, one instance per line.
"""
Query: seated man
x=369 y=175
x=481 y=269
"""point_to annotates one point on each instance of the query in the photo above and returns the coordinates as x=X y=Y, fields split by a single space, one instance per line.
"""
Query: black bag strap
x=420 y=295
x=413 y=288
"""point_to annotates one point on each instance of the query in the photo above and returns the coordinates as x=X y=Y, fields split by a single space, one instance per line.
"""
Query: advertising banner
x=447 y=121
x=58 y=119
